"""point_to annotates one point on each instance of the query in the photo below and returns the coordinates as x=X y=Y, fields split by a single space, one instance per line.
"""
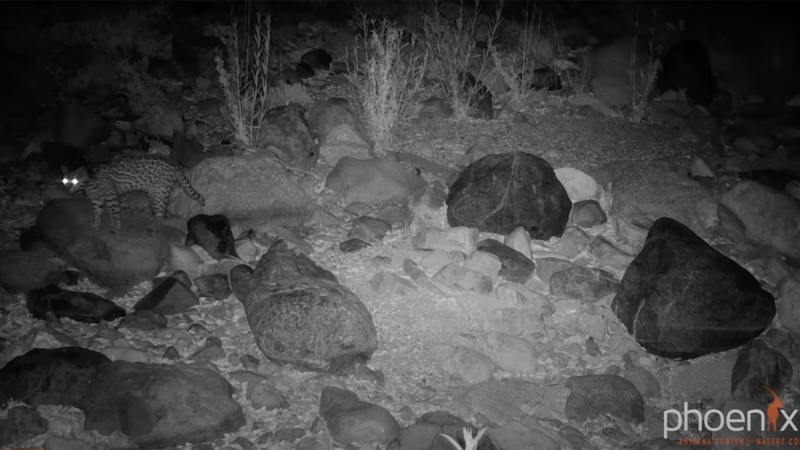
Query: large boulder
x=339 y=130
x=645 y=191
x=498 y=193
x=115 y=261
x=22 y=271
x=762 y=216
x=372 y=181
x=240 y=188
x=59 y=376
x=160 y=405
x=285 y=133
x=680 y=298
x=300 y=314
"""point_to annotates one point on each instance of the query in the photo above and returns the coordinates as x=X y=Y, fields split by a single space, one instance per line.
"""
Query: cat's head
x=74 y=180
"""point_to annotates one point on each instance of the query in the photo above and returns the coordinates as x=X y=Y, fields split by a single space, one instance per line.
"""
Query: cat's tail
x=190 y=191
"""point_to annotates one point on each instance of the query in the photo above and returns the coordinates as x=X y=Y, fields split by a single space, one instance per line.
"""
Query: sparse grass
x=533 y=49
x=245 y=77
x=385 y=73
x=455 y=55
x=642 y=79
x=578 y=75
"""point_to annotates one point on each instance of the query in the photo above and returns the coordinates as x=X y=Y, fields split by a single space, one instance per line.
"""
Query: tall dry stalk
x=457 y=64
x=245 y=80
x=385 y=73
x=642 y=79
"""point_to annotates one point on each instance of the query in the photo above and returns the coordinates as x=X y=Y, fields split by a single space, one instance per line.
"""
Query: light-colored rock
x=236 y=187
x=578 y=184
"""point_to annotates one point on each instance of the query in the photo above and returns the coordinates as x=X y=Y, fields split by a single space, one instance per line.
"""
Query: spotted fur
x=104 y=184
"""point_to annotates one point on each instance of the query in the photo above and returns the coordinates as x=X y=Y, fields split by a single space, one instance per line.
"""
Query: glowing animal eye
x=74 y=181
x=65 y=181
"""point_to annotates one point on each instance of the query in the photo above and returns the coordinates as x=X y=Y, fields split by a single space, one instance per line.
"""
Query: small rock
x=262 y=395
x=593 y=396
x=391 y=285
x=520 y=241
x=461 y=239
x=422 y=148
x=369 y=229
x=215 y=286
x=469 y=365
x=583 y=283
x=53 y=302
x=588 y=213
x=578 y=184
x=353 y=245
x=213 y=233
x=169 y=298
x=515 y=266
x=183 y=258
x=352 y=420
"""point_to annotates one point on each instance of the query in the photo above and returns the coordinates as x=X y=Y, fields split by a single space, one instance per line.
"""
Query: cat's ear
x=64 y=170
x=81 y=172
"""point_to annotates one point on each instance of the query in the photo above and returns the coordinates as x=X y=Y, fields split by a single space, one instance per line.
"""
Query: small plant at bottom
x=470 y=442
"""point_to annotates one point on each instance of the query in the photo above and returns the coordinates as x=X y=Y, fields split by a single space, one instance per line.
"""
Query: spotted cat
x=154 y=174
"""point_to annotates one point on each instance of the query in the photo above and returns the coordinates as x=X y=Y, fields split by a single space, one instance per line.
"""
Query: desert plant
x=245 y=77
x=385 y=72
x=457 y=64
x=470 y=442
x=642 y=79
x=533 y=48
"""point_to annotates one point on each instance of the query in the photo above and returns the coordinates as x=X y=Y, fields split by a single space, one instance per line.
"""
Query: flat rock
x=168 y=298
x=52 y=301
x=235 y=187
x=372 y=181
x=583 y=283
x=516 y=267
x=592 y=396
